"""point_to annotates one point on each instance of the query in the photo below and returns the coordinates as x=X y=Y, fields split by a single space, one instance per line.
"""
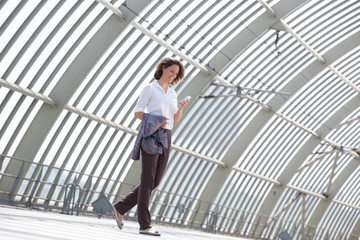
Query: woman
x=162 y=113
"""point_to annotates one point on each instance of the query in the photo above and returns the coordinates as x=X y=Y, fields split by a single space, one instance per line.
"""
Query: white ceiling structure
x=270 y=141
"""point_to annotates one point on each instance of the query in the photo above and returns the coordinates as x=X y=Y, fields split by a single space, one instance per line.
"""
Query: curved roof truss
x=268 y=143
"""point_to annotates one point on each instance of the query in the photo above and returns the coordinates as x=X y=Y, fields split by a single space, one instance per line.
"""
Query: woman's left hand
x=183 y=103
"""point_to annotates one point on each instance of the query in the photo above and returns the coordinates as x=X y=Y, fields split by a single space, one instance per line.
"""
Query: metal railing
x=165 y=207
x=69 y=199
x=211 y=221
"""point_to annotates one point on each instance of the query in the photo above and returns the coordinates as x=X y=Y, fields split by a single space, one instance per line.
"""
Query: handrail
x=215 y=214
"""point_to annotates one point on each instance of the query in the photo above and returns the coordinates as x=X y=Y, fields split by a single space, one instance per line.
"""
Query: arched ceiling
x=269 y=142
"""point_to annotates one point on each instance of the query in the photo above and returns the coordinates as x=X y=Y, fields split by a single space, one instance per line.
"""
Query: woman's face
x=169 y=74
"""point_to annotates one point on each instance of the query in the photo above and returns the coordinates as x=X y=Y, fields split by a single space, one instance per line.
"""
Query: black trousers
x=152 y=170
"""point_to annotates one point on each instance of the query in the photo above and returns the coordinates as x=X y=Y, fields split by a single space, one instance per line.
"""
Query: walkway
x=16 y=224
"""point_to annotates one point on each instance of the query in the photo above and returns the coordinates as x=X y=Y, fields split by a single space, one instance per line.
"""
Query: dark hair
x=167 y=62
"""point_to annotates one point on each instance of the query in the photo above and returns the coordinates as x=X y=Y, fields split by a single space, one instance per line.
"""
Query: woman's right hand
x=165 y=123
x=139 y=115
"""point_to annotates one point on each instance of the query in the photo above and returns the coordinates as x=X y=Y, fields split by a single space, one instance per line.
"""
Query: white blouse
x=154 y=100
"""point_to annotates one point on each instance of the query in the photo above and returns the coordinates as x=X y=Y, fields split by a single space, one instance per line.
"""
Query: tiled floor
x=16 y=224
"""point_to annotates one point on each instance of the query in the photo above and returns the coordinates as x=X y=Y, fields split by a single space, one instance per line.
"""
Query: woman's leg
x=149 y=163
x=162 y=162
x=128 y=202
x=153 y=169
x=151 y=174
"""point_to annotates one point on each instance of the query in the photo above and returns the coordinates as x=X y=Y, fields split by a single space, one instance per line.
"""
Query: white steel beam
x=332 y=174
x=342 y=148
x=221 y=61
x=302 y=190
x=303 y=78
x=351 y=84
x=112 y=8
x=349 y=121
x=305 y=44
x=267 y=7
x=198 y=155
x=286 y=118
x=225 y=83
x=317 y=213
x=100 y=120
x=267 y=107
x=303 y=213
x=346 y=204
x=65 y=87
x=299 y=189
x=311 y=162
x=120 y=127
x=285 y=207
x=274 y=181
x=169 y=47
x=25 y=91
x=336 y=146
x=299 y=125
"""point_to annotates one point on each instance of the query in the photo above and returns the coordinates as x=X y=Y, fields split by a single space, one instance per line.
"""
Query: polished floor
x=16 y=224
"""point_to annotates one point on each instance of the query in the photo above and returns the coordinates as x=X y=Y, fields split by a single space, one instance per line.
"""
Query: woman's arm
x=178 y=114
x=142 y=102
x=139 y=115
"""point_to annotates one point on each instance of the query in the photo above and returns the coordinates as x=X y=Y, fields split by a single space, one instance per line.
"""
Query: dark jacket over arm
x=151 y=138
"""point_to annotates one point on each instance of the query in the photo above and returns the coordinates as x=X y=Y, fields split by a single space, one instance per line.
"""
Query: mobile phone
x=187 y=98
